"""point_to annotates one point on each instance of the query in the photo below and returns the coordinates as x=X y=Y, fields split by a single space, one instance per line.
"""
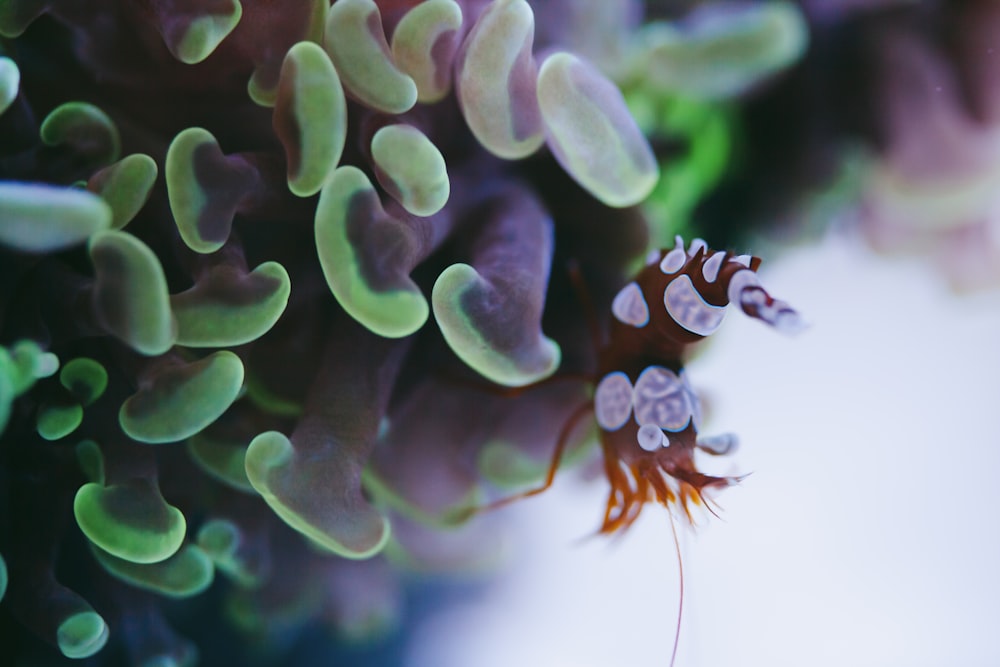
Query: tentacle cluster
x=172 y=171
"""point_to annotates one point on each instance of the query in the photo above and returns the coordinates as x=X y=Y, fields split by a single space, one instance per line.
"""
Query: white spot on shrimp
x=689 y=309
x=651 y=438
x=613 y=401
x=696 y=245
x=673 y=261
x=719 y=445
x=710 y=269
x=743 y=259
x=739 y=282
x=661 y=398
x=630 y=306
x=652 y=256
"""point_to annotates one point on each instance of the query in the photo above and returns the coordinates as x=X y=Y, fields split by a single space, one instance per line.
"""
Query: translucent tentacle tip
x=10 y=82
x=85 y=127
x=357 y=46
x=321 y=498
x=592 y=133
x=125 y=186
x=229 y=307
x=486 y=328
x=191 y=40
x=181 y=400
x=186 y=573
x=310 y=117
x=131 y=521
x=424 y=45
x=44 y=218
x=366 y=256
x=411 y=169
x=130 y=297
x=495 y=78
x=82 y=635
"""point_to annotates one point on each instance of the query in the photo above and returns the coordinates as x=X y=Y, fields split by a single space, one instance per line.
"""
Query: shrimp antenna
x=680 y=577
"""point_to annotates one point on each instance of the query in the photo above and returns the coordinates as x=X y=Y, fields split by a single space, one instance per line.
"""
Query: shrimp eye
x=651 y=438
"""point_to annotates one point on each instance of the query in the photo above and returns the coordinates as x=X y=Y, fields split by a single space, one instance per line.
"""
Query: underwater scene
x=479 y=333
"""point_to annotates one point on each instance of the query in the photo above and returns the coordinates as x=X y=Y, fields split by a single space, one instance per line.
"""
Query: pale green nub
x=186 y=573
x=131 y=521
x=203 y=217
x=82 y=124
x=592 y=134
x=20 y=366
x=495 y=80
x=82 y=635
x=46 y=218
x=310 y=496
x=348 y=205
x=228 y=307
x=129 y=295
x=85 y=378
x=58 y=421
x=221 y=539
x=262 y=87
x=722 y=51
x=125 y=186
x=356 y=43
x=225 y=461
x=10 y=82
x=17 y=15
x=182 y=399
x=424 y=44
x=91 y=461
x=411 y=169
x=515 y=368
x=192 y=41
x=310 y=117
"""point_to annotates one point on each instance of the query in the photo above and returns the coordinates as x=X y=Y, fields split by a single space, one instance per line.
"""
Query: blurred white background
x=867 y=534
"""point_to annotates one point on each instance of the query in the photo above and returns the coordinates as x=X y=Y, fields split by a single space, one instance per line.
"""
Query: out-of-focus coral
x=279 y=281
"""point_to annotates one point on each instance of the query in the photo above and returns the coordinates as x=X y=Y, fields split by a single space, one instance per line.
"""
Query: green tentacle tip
x=457 y=293
x=82 y=635
x=229 y=307
x=366 y=257
x=180 y=400
x=17 y=15
x=3 y=577
x=56 y=421
x=356 y=43
x=84 y=126
x=334 y=518
x=29 y=363
x=424 y=45
x=197 y=39
x=91 y=461
x=225 y=461
x=310 y=117
x=130 y=293
x=125 y=186
x=411 y=169
x=495 y=78
x=10 y=82
x=131 y=521
x=221 y=540
x=42 y=218
x=204 y=188
x=85 y=378
x=592 y=134
x=724 y=51
x=185 y=574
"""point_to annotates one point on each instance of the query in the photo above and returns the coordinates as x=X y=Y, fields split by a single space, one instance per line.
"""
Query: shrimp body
x=647 y=412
